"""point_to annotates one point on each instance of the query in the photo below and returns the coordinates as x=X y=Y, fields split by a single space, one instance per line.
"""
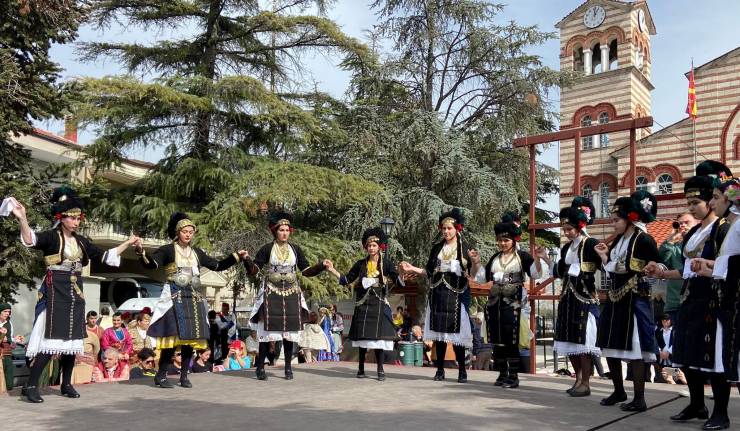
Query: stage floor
x=328 y=396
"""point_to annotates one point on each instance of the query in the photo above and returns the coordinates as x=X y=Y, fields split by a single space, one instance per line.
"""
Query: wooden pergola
x=574 y=134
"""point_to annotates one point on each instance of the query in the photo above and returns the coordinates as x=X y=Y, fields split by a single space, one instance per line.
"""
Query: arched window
x=587 y=142
x=588 y=192
x=604 y=137
x=665 y=184
x=596 y=60
x=613 y=57
x=578 y=59
x=641 y=183
x=604 y=198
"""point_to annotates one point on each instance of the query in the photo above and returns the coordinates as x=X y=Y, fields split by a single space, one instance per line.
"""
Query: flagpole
x=693 y=118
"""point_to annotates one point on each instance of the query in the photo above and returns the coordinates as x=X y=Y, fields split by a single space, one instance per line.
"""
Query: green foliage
x=28 y=90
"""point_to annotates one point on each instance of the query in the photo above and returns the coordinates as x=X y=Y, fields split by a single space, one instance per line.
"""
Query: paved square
x=328 y=396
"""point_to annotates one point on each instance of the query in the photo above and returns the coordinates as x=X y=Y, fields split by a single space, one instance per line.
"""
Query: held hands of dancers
x=703 y=267
x=408 y=270
x=474 y=256
x=243 y=254
x=603 y=251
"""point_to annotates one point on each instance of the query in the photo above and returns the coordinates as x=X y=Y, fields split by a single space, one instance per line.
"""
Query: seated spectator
x=313 y=339
x=139 y=339
x=118 y=337
x=8 y=340
x=86 y=362
x=112 y=369
x=202 y=362
x=92 y=324
x=398 y=317
x=145 y=364
x=177 y=362
x=664 y=339
x=253 y=346
x=237 y=356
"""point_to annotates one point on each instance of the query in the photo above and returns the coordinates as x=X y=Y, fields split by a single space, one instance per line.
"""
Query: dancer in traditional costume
x=280 y=311
x=372 y=279
x=627 y=327
x=698 y=333
x=726 y=272
x=180 y=316
x=505 y=275
x=578 y=309
x=447 y=317
x=59 y=326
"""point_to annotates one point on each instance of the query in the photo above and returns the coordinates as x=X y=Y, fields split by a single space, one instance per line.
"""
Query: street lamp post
x=387 y=223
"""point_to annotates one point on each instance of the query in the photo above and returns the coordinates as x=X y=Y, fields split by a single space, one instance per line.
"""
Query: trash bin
x=407 y=353
x=418 y=354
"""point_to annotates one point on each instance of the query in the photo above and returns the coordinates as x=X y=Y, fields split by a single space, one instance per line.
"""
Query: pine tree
x=29 y=90
x=435 y=121
x=222 y=102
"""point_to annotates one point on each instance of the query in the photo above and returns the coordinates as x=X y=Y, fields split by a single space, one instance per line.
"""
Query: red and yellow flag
x=691 y=108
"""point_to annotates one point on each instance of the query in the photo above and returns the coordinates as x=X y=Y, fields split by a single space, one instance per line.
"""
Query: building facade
x=609 y=43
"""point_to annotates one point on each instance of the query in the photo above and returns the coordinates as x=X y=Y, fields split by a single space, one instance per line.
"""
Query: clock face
x=594 y=16
x=641 y=20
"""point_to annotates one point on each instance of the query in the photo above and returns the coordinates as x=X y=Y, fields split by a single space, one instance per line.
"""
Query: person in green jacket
x=670 y=253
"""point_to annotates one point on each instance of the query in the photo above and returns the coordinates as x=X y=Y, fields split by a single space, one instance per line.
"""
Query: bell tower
x=606 y=42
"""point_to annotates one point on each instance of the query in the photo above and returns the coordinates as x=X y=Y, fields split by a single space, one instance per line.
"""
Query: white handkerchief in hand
x=7 y=206
x=574 y=269
x=498 y=277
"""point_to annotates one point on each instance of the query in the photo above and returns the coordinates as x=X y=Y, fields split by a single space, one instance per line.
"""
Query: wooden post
x=532 y=245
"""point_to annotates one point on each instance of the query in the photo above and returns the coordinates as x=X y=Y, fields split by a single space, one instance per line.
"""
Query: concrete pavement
x=327 y=396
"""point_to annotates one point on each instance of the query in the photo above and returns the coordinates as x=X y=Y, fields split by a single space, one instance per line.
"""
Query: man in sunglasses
x=146 y=366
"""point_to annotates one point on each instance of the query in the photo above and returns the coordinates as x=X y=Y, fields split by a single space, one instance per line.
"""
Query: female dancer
x=578 y=309
x=699 y=331
x=627 y=327
x=373 y=277
x=280 y=310
x=504 y=275
x=447 y=318
x=59 y=326
x=179 y=318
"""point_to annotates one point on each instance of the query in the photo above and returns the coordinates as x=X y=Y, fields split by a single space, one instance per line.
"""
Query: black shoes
x=32 y=394
x=288 y=374
x=582 y=393
x=691 y=412
x=162 y=382
x=185 y=383
x=500 y=380
x=462 y=376
x=439 y=376
x=615 y=397
x=716 y=423
x=511 y=382
x=261 y=375
x=381 y=376
x=634 y=406
x=69 y=391
x=361 y=374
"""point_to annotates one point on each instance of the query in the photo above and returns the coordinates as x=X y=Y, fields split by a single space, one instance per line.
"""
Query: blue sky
x=686 y=29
